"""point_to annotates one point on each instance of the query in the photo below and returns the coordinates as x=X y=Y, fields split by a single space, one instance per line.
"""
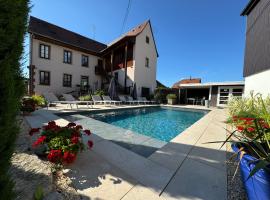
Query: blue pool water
x=160 y=123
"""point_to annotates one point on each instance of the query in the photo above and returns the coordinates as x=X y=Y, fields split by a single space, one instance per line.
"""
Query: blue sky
x=198 y=38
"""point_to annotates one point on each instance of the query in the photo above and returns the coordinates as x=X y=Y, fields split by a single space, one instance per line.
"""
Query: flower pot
x=171 y=101
x=257 y=186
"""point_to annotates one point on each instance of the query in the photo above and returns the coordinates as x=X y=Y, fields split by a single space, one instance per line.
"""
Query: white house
x=257 y=51
x=62 y=61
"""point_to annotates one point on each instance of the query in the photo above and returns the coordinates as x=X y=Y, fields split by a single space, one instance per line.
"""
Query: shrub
x=39 y=100
x=85 y=98
x=13 y=23
x=160 y=94
x=171 y=96
x=99 y=92
x=62 y=144
x=251 y=119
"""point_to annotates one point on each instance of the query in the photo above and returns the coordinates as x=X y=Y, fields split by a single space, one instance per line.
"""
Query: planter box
x=171 y=101
x=257 y=186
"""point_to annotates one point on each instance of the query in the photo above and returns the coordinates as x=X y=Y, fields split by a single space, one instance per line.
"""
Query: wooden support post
x=125 y=65
x=112 y=62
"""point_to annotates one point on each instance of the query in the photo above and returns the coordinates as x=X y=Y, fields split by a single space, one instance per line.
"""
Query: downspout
x=125 y=65
x=30 y=67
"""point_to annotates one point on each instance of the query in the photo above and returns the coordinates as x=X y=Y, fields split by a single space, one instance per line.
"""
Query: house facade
x=62 y=61
x=257 y=50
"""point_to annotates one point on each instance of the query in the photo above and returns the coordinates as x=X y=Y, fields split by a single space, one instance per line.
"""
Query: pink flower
x=90 y=144
x=87 y=132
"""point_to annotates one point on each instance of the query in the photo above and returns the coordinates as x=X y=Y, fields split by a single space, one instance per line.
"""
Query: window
x=146 y=62
x=84 y=61
x=84 y=81
x=67 y=80
x=44 y=78
x=67 y=56
x=147 y=39
x=44 y=51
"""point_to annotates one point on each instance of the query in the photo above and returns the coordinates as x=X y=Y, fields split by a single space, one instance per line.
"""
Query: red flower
x=69 y=157
x=40 y=140
x=251 y=129
x=75 y=140
x=240 y=128
x=249 y=119
x=87 y=132
x=78 y=127
x=55 y=156
x=248 y=122
x=71 y=124
x=266 y=126
x=75 y=134
x=33 y=130
x=90 y=144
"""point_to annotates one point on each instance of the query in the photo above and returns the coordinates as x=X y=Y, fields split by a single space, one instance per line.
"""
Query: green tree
x=13 y=23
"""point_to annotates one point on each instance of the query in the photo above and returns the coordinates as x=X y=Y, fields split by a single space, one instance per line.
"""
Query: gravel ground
x=235 y=188
x=28 y=172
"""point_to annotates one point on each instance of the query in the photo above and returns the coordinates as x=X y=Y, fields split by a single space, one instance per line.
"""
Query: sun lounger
x=97 y=99
x=122 y=99
x=131 y=100
x=143 y=100
x=52 y=99
x=70 y=98
x=108 y=99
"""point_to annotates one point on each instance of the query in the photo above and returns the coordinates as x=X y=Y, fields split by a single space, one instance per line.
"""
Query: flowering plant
x=63 y=143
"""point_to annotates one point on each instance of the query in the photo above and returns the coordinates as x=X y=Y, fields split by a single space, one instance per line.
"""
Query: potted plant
x=250 y=142
x=171 y=98
x=60 y=144
x=28 y=105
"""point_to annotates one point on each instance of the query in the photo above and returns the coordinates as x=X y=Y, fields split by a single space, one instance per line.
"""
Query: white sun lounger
x=52 y=99
x=108 y=99
x=143 y=100
x=97 y=99
x=70 y=98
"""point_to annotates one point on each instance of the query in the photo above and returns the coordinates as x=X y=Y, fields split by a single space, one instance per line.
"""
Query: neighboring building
x=62 y=61
x=257 y=51
x=186 y=81
x=218 y=93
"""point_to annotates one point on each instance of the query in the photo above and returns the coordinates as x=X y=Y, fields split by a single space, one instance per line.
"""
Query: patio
x=185 y=168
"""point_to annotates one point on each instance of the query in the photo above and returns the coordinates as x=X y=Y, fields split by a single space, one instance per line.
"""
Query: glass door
x=225 y=93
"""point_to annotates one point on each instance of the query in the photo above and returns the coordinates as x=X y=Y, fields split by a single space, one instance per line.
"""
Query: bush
x=13 y=23
x=28 y=105
x=100 y=92
x=85 y=98
x=39 y=100
x=171 y=96
x=160 y=94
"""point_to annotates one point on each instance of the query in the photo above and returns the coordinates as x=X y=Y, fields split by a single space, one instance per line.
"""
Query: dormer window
x=147 y=39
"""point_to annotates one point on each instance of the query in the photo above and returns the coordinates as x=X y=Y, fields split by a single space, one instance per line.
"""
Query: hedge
x=161 y=94
x=13 y=23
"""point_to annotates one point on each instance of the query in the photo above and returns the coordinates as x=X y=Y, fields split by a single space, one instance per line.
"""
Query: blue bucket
x=258 y=186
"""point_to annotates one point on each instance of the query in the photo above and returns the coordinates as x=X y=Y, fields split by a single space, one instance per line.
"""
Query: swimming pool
x=162 y=123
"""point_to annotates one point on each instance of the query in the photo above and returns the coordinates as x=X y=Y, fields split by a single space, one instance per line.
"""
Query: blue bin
x=258 y=186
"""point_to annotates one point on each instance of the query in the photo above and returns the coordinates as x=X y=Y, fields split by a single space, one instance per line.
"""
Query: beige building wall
x=145 y=76
x=57 y=68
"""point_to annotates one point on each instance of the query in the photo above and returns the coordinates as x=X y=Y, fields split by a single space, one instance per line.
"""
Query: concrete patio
x=185 y=168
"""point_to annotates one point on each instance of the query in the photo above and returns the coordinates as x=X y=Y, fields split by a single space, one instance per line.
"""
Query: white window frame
x=230 y=88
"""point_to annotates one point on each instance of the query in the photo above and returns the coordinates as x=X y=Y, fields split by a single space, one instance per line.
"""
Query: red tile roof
x=186 y=81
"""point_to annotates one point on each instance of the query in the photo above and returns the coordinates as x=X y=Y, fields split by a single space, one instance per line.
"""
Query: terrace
x=185 y=167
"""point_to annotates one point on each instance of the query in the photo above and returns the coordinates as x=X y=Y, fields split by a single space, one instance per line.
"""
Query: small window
x=67 y=80
x=44 y=78
x=44 y=51
x=84 y=61
x=146 y=62
x=67 y=56
x=147 y=39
